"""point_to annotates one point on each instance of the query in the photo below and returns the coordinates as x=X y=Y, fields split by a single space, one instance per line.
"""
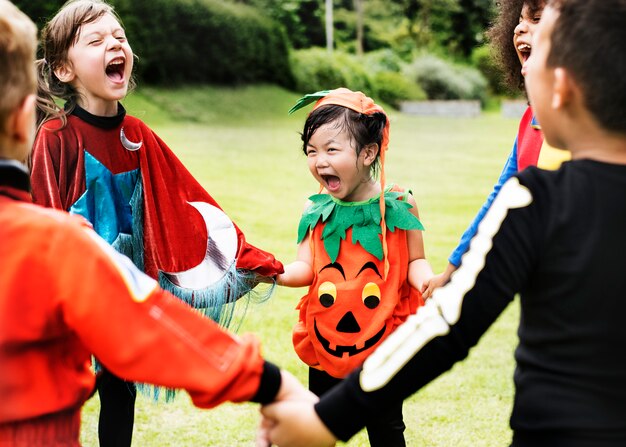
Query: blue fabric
x=509 y=169
x=106 y=200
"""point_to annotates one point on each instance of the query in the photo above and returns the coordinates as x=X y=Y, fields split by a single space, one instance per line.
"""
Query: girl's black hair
x=501 y=37
x=364 y=130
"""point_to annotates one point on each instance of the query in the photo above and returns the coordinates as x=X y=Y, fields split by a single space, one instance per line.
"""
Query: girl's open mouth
x=524 y=50
x=332 y=182
x=115 y=70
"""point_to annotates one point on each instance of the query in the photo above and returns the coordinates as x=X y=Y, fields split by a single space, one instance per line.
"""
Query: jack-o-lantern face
x=350 y=310
x=351 y=306
x=348 y=323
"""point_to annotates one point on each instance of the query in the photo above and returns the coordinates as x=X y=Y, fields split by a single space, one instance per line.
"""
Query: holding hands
x=291 y=421
x=437 y=281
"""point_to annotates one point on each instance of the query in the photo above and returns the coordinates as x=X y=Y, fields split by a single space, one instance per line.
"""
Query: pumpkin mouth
x=350 y=350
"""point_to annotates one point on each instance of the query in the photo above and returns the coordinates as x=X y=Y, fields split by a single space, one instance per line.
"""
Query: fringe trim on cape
x=217 y=302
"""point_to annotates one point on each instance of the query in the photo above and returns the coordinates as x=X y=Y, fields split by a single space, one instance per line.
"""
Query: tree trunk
x=329 y=26
x=358 y=6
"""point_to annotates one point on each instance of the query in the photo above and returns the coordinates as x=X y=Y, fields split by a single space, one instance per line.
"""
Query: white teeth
x=523 y=47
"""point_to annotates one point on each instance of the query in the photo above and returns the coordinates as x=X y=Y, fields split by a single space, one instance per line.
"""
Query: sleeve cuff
x=269 y=386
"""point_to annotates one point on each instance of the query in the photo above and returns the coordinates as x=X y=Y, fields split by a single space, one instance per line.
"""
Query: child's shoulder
x=130 y=120
x=49 y=220
x=400 y=193
x=395 y=187
x=549 y=188
x=52 y=125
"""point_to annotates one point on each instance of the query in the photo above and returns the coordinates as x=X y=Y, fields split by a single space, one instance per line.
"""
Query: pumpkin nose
x=348 y=324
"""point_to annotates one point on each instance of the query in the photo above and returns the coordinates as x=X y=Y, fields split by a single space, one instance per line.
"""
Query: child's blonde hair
x=59 y=34
x=18 y=43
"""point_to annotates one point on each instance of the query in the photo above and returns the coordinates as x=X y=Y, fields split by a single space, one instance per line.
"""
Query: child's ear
x=370 y=152
x=65 y=73
x=563 y=88
x=22 y=121
x=20 y=129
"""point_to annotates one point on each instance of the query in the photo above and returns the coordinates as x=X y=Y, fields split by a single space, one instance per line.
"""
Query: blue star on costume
x=106 y=201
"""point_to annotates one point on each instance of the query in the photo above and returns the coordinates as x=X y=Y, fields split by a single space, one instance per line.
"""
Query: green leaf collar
x=363 y=217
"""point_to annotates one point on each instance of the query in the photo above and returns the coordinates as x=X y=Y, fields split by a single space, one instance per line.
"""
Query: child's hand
x=292 y=389
x=293 y=423
x=438 y=281
x=434 y=283
x=297 y=274
x=275 y=427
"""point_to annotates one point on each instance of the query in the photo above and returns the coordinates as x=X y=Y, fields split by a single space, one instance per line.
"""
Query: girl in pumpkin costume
x=360 y=248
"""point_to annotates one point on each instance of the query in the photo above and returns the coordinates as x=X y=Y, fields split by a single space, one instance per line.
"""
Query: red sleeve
x=53 y=169
x=529 y=141
x=160 y=169
x=144 y=334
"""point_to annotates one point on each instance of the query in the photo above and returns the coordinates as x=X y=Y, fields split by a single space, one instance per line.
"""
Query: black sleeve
x=442 y=332
x=269 y=386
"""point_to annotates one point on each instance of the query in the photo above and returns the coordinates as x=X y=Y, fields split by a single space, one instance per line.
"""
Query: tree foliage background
x=256 y=41
x=454 y=26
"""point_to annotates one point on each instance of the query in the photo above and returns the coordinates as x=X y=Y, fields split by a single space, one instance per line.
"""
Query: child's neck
x=605 y=151
x=11 y=149
x=367 y=190
x=600 y=145
x=99 y=108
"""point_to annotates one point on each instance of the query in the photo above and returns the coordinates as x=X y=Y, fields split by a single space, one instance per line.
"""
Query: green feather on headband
x=308 y=99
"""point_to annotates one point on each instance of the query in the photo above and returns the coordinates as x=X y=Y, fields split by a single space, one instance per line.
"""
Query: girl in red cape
x=94 y=160
x=360 y=248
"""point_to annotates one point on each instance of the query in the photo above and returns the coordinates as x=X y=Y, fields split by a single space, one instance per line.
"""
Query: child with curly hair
x=519 y=19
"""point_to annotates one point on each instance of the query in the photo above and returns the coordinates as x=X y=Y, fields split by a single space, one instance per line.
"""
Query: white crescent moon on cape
x=127 y=143
x=220 y=252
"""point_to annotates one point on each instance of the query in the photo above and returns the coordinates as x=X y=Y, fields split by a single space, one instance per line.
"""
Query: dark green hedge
x=197 y=41
x=204 y=41
x=314 y=69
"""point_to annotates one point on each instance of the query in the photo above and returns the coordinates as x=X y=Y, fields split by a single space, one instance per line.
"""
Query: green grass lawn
x=241 y=145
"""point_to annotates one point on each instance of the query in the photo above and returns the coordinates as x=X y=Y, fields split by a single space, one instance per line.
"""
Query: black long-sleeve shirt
x=559 y=239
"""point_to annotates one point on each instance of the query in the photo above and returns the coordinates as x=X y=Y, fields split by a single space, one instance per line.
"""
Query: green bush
x=383 y=60
x=314 y=69
x=204 y=41
x=441 y=79
x=393 y=88
x=483 y=60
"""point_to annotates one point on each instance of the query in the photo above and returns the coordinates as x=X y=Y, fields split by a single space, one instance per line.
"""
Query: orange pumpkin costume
x=360 y=292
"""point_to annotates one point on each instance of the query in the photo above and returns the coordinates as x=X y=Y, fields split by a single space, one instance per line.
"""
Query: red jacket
x=61 y=286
